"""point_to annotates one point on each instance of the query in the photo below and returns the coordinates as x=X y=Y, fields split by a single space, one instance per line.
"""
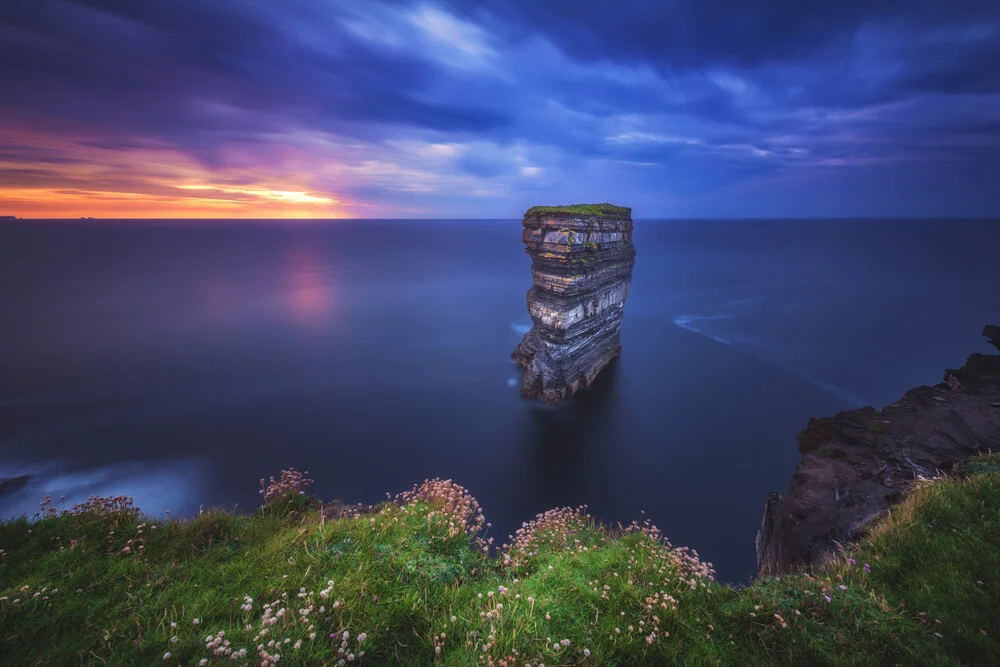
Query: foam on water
x=156 y=488
x=686 y=322
x=520 y=327
x=690 y=322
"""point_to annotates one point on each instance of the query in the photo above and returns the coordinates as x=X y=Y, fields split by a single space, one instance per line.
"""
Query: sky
x=483 y=108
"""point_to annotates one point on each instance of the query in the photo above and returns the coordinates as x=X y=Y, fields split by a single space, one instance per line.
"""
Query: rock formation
x=992 y=332
x=855 y=464
x=581 y=268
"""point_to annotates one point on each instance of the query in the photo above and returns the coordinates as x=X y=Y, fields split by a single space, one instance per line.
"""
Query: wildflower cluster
x=497 y=636
x=685 y=561
x=344 y=651
x=451 y=507
x=111 y=513
x=105 y=507
x=555 y=530
x=222 y=647
x=285 y=617
x=290 y=483
x=137 y=544
x=288 y=626
x=24 y=593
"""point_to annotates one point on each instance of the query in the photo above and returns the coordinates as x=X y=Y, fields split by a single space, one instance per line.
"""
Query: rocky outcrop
x=855 y=464
x=581 y=268
x=992 y=332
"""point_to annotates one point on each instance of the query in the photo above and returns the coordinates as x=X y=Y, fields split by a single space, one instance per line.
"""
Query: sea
x=181 y=361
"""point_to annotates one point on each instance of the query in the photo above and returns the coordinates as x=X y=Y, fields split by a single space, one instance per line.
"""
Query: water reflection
x=222 y=302
x=567 y=445
x=311 y=294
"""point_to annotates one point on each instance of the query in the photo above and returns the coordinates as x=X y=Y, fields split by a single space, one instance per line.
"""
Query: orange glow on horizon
x=48 y=203
x=70 y=179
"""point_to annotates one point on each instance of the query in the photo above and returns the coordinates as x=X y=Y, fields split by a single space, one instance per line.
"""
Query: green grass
x=106 y=587
x=583 y=209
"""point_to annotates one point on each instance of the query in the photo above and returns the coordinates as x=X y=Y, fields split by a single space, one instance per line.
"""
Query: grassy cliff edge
x=409 y=582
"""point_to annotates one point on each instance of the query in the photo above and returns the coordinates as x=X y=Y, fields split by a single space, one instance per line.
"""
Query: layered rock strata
x=581 y=269
x=858 y=462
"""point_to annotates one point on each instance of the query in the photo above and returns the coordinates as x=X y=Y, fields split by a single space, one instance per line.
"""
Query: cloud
x=467 y=107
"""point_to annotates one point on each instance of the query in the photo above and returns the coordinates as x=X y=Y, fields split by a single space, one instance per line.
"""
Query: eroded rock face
x=858 y=462
x=582 y=258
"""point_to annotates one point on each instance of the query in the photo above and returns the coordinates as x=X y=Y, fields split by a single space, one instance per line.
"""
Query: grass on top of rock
x=583 y=209
x=413 y=581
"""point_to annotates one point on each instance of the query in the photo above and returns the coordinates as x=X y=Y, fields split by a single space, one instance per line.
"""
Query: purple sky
x=364 y=108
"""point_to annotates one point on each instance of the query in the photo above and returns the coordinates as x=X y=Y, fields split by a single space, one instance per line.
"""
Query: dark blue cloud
x=696 y=96
x=156 y=68
x=681 y=34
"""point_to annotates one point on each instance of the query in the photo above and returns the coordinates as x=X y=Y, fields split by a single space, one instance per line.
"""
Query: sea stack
x=581 y=269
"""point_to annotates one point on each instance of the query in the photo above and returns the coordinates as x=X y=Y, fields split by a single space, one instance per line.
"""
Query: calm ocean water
x=181 y=361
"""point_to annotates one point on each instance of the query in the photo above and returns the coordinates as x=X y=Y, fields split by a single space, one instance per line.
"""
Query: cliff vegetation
x=608 y=210
x=418 y=581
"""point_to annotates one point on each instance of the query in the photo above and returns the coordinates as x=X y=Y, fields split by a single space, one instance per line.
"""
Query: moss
x=607 y=210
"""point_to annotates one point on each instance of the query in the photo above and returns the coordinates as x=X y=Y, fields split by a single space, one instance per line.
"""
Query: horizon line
x=432 y=218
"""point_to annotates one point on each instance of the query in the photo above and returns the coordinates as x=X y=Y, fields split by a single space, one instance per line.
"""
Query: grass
x=409 y=582
x=583 y=209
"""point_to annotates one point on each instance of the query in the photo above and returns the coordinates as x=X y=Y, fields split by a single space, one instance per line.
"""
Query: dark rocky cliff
x=856 y=463
x=582 y=258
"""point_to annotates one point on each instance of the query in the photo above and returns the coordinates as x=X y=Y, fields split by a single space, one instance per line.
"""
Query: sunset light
x=279 y=278
x=54 y=178
x=450 y=109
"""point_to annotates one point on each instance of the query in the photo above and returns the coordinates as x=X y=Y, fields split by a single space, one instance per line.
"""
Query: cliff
x=582 y=258
x=858 y=462
x=300 y=582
